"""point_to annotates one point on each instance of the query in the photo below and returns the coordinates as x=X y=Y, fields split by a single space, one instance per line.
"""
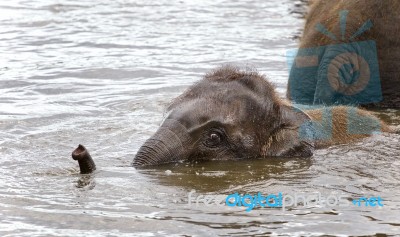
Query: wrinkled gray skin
x=229 y=114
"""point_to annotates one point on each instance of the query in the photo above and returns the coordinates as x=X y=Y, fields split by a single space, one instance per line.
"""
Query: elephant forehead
x=234 y=111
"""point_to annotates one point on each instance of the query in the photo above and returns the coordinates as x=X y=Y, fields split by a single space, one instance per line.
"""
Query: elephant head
x=229 y=114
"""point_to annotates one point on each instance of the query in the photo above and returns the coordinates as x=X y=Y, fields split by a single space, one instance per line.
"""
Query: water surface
x=100 y=73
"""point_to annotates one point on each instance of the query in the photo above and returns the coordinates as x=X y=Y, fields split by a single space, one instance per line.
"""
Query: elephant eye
x=213 y=139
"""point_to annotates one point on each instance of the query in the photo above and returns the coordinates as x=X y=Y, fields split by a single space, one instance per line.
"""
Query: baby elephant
x=233 y=114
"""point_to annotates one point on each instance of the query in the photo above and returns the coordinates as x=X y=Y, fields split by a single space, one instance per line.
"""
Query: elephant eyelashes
x=213 y=139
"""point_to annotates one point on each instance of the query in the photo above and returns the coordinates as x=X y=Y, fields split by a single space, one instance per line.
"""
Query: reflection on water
x=222 y=176
x=100 y=73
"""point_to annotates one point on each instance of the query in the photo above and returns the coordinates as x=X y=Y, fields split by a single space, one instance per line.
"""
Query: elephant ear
x=294 y=137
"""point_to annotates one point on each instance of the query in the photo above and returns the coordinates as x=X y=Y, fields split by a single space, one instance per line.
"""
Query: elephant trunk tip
x=79 y=152
x=86 y=163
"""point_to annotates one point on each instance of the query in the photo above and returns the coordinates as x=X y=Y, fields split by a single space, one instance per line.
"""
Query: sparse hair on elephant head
x=229 y=114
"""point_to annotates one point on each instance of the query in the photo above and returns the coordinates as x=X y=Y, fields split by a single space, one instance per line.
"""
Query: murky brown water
x=100 y=73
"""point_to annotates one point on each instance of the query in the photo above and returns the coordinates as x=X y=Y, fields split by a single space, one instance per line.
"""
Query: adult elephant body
x=349 y=54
